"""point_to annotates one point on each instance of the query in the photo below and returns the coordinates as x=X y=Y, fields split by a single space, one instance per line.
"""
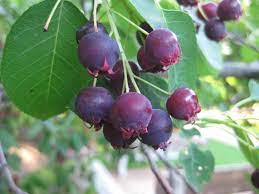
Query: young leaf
x=40 y=70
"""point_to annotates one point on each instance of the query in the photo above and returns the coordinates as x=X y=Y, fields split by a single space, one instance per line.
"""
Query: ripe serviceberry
x=131 y=114
x=98 y=53
x=114 y=137
x=141 y=36
x=209 y=9
x=229 y=10
x=255 y=178
x=116 y=79
x=93 y=105
x=159 y=130
x=183 y=104
x=147 y=66
x=215 y=30
x=162 y=47
x=87 y=29
x=187 y=3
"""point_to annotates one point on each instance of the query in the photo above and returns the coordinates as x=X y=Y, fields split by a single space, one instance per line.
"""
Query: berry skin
x=87 y=29
x=183 y=104
x=187 y=3
x=215 y=30
x=162 y=47
x=114 y=137
x=229 y=10
x=140 y=36
x=146 y=66
x=131 y=114
x=209 y=9
x=98 y=53
x=93 y=105
x=255 y=178
x=159 y=130
x=117 y=77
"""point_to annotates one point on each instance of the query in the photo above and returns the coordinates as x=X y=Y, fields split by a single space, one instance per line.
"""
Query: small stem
x=163 y=182
x=46 y=27
x=152 y=85
x=243 y=102
x=130 y=22
x=95 y=81
x=94 y=14
x=202 y=12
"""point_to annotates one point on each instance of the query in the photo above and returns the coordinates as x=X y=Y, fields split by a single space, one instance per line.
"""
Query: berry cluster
x=214 y=15
x=131 y=116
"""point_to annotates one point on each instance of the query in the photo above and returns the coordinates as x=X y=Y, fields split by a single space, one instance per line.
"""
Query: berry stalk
x=94 y=15
x=46 y=27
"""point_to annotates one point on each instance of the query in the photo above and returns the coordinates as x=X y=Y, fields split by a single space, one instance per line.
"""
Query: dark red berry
x=98 y=53
x=209 y=9
x=114 y=137
x=131 y=113
x=87 y=29
x=162 y=47
x=141 y=36
x=183 y=104
x=147 y=66
x=229 y=10
x=93 y=105
x=159 y=130
x=187 y=3
x=117 y=77
x=215 y=30
x=255 y=178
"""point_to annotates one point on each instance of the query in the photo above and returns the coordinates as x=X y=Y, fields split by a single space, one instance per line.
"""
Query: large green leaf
x=40 y=70
x=198 y=165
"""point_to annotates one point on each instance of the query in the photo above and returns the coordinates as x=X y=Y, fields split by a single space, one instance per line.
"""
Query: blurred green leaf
x=188 y=133
x=254 y=89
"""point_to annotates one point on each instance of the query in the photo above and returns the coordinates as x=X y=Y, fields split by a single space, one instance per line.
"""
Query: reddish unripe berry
x=114 y=137
x=116 y=79
x=147 y=66
x=93 y=105
x=183 y=104
x=255 y=178
x=98 y=53
x=187 y=3
x=215 y=30
x=131 y=114
x=209 y=9
x=141 y=36
x=229 y=10
x=162 y=47
x=87 y=29
x=159 y=130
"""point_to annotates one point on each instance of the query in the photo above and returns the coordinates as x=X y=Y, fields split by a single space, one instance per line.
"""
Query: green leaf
x=188 y=133
x=40 y=70
x=157 y=98
x=198 y=165
x=254 y=89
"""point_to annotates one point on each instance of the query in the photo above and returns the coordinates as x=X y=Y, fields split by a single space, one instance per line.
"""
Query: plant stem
x=152 y=85
x=94 y=16
x=46 y=27
x=201 y=11
x=95 y=81
x=130 y=22
x=243 y=102
x=126 y=66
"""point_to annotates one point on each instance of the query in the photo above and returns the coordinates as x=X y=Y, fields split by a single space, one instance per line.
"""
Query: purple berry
x=215 y=30
x=159 y=130
x=209 y=9
x=98 y=53
x=255 y=178
x=162 y=47
x=183 y=104
x=114 y=137
x=93 y=105
x=146 y=66
x=187 y=3
x=87 y=29
x=117 y=77
x=131 y=113
x=229 y=10
x=140 y=36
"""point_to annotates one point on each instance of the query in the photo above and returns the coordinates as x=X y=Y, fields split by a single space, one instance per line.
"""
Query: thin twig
x=7 y=173
x=176 y=170
x=46 y=27
x=163 y=182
